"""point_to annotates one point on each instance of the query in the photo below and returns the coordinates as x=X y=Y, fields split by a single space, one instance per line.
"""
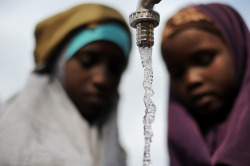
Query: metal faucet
x=145 y=19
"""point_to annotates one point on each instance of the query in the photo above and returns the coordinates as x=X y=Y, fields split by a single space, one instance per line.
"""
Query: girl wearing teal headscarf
x=66 y=113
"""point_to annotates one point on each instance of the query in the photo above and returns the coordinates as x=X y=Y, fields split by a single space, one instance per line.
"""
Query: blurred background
x=18 y=20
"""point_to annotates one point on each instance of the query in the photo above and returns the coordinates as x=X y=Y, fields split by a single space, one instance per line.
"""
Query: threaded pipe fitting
x=144 y=21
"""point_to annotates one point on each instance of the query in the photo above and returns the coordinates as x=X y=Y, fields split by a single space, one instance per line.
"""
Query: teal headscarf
x=112 y=32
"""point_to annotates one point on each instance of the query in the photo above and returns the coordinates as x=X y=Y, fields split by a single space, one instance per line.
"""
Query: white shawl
x=41 y=127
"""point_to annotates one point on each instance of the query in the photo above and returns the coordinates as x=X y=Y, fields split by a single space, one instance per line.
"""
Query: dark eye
x=117 y=67
x=204 y=58
x=176 y=72
x=86 y=60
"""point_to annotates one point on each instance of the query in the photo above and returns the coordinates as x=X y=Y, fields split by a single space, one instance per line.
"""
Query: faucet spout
x=146 y=4
x=145 y=19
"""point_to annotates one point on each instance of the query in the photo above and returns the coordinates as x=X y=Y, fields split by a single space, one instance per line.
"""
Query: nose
x=194 y=78
x=100 y=77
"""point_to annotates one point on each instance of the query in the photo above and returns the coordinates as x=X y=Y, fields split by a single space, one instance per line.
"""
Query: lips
x=202 y=99
x=95 y=98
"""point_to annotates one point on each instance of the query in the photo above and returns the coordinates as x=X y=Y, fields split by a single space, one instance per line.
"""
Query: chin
x=206 y=111
x=213 y=113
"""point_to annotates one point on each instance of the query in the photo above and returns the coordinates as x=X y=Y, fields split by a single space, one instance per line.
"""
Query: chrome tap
x=145 y=19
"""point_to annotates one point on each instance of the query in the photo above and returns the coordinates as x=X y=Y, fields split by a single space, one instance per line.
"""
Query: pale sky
x=18 y=20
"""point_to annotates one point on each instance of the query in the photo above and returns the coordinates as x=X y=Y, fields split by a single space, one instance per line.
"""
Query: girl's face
x=201 y=70
x=92 y=77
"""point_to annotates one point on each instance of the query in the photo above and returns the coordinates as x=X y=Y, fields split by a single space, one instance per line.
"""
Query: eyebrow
x=86 y=53
x=201 y=51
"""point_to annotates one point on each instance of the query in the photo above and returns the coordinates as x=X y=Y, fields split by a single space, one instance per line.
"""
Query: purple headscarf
x=228 y=142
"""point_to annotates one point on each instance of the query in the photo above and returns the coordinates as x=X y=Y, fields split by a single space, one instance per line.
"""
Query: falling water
x=146 y=58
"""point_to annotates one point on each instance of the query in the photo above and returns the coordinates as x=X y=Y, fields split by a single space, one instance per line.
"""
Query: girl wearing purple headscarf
x=206 y=49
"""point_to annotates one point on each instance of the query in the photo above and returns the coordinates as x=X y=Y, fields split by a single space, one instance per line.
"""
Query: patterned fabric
x=184 y=17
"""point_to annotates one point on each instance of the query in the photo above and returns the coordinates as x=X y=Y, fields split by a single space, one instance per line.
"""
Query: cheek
x=114 y=84
x=73 y=77
x=223 y=73
x=178 y=89
x=223 y=80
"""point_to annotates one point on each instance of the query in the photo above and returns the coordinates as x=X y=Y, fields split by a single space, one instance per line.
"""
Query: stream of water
x=146 y=58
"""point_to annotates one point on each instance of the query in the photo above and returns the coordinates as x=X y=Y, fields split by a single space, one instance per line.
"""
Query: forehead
x=102 y=49
x=187 y=42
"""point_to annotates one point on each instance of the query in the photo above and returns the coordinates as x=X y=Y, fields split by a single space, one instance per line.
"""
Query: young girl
x=207 y=52
x=66 y=113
